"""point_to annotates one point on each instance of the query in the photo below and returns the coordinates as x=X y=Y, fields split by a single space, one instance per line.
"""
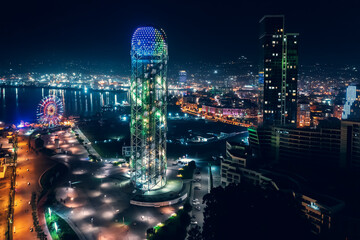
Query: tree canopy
x=247 y=212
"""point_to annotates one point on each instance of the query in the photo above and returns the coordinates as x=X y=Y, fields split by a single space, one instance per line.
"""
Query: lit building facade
x=279 y=66
x=234 y=112
x=236 y=158
x=303 y=115
x=321 y=211
x=337 y=112
x=182 y=77
x=148 y=90
x=351 y=111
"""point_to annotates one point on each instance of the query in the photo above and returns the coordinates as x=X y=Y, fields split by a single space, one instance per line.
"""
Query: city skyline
x=254 y=127
x=99 y=31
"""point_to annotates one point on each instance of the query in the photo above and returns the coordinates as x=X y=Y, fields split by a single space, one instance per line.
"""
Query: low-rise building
x=303 y=115
x=236 y=157
x=322 y=211
x=298 y=146
x=332 y=144
x=233 y=112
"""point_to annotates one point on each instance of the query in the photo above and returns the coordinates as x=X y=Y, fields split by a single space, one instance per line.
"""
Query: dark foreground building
x=334 y=144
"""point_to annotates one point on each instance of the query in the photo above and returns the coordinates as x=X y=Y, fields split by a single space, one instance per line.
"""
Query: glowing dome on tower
x=148 y=41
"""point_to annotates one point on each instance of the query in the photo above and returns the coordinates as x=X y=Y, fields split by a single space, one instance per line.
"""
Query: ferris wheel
x=50 y=111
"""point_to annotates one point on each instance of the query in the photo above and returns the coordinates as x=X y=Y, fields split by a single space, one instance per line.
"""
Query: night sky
x=197 y=30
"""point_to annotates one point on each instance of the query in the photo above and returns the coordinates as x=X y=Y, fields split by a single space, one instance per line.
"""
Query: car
x=198 y=208
x=196 y=203
x=195 y=200
x=194 y=222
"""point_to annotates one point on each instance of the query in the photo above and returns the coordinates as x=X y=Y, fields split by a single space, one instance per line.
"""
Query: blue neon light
x=350 y=99
x=148 y=41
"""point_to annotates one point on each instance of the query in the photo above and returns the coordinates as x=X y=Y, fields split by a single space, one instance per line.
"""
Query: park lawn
x=174 y=227
x=115 y=133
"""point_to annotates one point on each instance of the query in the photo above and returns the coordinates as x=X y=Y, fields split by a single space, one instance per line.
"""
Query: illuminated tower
x=351 y=110
x=149 y=56
x=182 y=77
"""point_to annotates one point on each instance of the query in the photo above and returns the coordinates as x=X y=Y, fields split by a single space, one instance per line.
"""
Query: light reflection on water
x=21 y=103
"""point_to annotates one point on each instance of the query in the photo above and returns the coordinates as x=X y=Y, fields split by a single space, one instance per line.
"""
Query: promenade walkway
x=87 y=143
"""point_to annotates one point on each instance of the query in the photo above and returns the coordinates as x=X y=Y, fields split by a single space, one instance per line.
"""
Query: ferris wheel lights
x=50 y=111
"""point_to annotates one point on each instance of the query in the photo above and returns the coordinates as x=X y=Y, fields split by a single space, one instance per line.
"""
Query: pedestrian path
x=86 y=141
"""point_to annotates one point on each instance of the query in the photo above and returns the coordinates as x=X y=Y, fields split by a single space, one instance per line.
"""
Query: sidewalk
x=4 y=201
x=72 y=225
x=86 y=141
x=41 y=216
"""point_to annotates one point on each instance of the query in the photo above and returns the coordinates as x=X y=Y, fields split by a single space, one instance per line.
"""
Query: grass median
x=59 y=229
x=173 y=228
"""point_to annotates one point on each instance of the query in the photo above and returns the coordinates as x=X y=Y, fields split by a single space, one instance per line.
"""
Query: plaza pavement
x=97 y=203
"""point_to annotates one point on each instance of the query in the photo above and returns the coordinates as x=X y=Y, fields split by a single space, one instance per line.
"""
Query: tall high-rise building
x=148 y=90
x=279 y=64
x=182 y=77
x=351 y=111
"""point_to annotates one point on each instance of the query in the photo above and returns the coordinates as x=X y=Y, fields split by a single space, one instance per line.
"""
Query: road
x=215 y=118
x=202 y=179
x=30 y=166
x=199 y=194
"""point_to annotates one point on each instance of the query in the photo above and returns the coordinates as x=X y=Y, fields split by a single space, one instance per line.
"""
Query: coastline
x=63 y=88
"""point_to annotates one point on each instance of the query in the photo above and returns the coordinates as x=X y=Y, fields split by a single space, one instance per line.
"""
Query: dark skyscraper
x=279 y=66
